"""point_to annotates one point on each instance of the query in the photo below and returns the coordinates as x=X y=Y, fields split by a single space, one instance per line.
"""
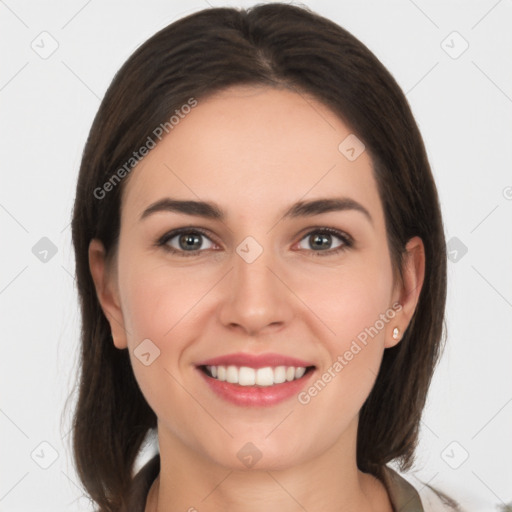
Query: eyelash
x=162 y=241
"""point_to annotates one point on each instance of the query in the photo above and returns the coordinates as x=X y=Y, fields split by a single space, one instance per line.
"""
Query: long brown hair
x=277 y=45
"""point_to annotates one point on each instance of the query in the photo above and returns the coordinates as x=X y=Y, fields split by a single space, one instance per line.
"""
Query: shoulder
x=407 y=498
x=434 y=500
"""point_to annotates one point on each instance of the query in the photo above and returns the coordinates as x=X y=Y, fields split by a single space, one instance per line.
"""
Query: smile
x=247 y=376
x=255 y=380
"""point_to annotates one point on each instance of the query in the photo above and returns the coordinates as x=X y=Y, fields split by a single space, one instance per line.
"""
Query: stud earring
x=396 y=332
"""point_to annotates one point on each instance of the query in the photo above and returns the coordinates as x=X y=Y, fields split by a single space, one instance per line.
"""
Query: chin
x=257 y=453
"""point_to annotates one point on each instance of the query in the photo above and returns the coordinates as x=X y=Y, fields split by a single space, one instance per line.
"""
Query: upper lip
x=255 y=360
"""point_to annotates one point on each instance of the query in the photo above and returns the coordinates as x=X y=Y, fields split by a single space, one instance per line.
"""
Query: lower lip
x=256 y=396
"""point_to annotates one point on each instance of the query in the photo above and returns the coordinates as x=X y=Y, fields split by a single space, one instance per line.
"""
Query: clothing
x=402 y=494
x=405 y=498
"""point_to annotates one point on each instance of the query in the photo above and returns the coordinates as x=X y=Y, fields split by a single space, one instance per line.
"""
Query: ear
x=408 y=291
x=105 y=282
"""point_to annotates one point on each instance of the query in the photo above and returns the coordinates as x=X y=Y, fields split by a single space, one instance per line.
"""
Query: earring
x=396 y=332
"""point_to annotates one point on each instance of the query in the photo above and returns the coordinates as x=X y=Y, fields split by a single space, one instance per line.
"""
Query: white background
x=463 y=107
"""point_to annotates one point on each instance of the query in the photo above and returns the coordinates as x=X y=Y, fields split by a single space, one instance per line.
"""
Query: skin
x=254 y=151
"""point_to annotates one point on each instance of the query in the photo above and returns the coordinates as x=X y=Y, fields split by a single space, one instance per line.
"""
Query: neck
x=329 y=482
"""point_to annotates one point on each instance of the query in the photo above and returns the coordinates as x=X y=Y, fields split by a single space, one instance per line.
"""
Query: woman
x=262 y=273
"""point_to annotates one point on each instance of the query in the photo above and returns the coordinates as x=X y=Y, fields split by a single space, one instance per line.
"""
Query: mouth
x=266 y=376
x=255 y=380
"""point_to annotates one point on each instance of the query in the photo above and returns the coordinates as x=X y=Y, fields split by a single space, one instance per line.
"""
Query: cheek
x=157 y=301
x=347 y=299
x=353 y=304
x=160 y=306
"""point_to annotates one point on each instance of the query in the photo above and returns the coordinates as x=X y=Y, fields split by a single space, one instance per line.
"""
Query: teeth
x=279 y=374
x=245 y=376
x=299 y=372
x=264 y=376
x=232 y=374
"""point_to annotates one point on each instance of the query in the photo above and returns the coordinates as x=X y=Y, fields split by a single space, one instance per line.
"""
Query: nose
x=256 y=297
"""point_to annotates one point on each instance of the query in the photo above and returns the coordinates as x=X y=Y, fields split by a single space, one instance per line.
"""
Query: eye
x=186 y=241
x=189 y=241
x=323 y=242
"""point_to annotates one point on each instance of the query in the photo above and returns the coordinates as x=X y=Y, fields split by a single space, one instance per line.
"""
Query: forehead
x=247 y=146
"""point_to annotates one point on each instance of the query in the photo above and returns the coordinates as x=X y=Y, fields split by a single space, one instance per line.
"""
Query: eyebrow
x=210 y=210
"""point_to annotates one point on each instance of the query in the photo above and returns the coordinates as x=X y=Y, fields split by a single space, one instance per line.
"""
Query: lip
x=256 y=396
x=255 y=360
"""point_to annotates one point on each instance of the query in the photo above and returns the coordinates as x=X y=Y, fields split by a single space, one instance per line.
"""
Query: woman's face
x=258 y=272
